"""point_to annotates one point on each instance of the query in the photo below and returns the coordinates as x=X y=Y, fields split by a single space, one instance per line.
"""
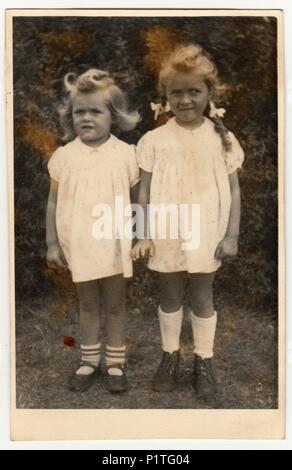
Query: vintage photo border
x=27 y=424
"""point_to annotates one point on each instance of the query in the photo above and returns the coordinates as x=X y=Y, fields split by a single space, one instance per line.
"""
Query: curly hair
x=193 y=58
x=91 y=81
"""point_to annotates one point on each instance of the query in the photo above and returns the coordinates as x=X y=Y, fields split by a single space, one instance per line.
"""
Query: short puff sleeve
x=145 y=153
x=133 y=168
x=56 y=164
x=235 y=156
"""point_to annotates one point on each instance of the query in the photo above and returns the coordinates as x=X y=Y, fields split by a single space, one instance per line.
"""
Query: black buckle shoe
x=116 y=383
x=165 y=379
x=80 y=382
x=204 y=378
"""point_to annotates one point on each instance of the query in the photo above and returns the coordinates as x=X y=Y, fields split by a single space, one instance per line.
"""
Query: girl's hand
x=55 y=257
x=227 y=247
x=142 y=248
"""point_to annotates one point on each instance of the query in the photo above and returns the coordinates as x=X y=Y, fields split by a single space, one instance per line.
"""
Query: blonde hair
x=94 y=80
x=193 y=58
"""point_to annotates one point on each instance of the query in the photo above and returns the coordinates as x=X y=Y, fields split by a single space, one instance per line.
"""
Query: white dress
x=190 y=167
x=88 y=176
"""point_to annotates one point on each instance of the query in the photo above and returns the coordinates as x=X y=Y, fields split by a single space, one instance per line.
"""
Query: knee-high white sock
x=89 y=354
x=204 y=335
x=170 y=329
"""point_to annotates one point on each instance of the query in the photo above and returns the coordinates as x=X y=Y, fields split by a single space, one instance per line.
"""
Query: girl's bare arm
x=51 y=230
x=234 y=217
x=55 y=256
x=145 y=246
x=229 y=245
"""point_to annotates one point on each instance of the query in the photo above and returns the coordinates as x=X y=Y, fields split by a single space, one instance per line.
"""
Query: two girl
x=190 y=160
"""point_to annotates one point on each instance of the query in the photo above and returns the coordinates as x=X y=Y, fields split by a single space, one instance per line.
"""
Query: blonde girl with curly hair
x=94 y=167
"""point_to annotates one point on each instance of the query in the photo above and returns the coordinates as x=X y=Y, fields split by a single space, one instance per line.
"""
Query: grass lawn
x=245 y=358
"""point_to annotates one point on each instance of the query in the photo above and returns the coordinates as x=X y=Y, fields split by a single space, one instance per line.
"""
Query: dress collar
x=86 y=149
x=172 y=123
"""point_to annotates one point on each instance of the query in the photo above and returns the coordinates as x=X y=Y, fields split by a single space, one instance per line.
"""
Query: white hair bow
x=216 y=112
x=159 y=109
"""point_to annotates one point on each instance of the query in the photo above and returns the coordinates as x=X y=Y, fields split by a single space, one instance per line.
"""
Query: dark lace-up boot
x=204 y=378
x=165 y=379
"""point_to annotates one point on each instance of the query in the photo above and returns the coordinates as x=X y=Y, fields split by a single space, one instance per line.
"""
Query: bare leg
x=113 y=297
x=171 y=291
x=89 y=308
x=89 y=317
x=201 y=295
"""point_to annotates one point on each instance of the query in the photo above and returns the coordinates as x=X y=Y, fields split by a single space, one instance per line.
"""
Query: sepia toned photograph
x=146 y=233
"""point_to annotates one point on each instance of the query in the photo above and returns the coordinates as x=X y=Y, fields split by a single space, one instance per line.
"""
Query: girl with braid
x=191 y=160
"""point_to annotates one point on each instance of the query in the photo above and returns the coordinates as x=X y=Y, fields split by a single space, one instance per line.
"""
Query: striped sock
x=89 y=354
x=115 y=356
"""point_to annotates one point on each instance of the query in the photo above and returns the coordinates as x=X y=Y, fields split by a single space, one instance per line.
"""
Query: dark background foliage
x=244 y=49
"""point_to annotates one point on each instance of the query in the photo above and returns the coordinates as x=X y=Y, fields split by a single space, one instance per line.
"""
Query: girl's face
x=188 y=95
x=91 y=118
